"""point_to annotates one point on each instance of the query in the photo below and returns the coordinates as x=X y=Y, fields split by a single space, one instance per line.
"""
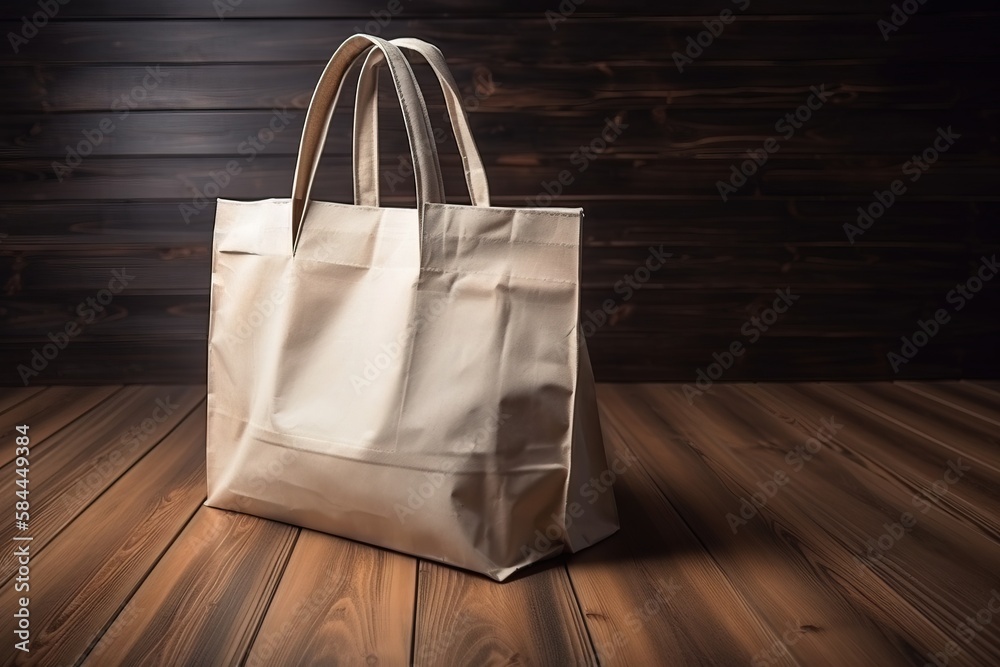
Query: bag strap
x=366 y=157
x=423 y=150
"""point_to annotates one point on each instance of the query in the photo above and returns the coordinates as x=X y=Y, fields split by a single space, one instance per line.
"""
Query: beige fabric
x=426 y=168
x=411 y=378
x=366 y=125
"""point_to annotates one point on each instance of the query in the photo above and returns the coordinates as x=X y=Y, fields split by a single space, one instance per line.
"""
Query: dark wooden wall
x=544 y=92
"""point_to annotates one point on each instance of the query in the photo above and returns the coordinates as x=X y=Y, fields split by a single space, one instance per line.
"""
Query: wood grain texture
x=360 y=9
x=179 y=178
x=466 y=619
x=903 y=457
x=624 y=356
x=806 y=272
x=991 y=385
x=513 y=137
x=521 y=40
x=146 y=575
x=65 y=478
x=339 y=602
x=203 y=601
x=954 y=434
x=976 y=400
x=539 y=86
x=13 y=396
x=785 y=583
x=45 y=413
x=643 y=591
x=849 y=537
x=83 y=580
x=694 y=221
x=184 y=317
x=166 y=361
x=548 y=91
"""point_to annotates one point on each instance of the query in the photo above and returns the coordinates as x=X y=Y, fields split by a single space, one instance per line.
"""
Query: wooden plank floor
x=762 y=524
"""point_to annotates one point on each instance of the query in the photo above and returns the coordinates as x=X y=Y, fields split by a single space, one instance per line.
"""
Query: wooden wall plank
x=444 y=8
x=648 y=313
x=152 y=359
x=537 y=90
x=965 y=178
x=813 y=271
x=522 y=40
x=694 y=221
x=513 y=137
x=618 y=357
x=518 y=88
x=678 y=133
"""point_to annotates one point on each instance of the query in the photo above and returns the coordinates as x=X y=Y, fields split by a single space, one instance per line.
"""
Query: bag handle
x=423 y=149
x=366 y=158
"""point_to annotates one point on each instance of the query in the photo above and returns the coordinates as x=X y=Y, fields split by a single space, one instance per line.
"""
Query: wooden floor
x=797 y=524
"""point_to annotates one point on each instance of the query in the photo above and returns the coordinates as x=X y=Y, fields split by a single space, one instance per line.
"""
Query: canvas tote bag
x=411 y=378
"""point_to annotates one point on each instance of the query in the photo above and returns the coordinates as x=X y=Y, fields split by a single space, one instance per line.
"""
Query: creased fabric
x=410 y=378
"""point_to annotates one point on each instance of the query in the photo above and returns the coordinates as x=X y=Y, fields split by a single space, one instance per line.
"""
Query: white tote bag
x=410 y=378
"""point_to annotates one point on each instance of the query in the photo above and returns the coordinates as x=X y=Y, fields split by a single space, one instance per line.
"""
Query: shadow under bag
x=413 y=378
